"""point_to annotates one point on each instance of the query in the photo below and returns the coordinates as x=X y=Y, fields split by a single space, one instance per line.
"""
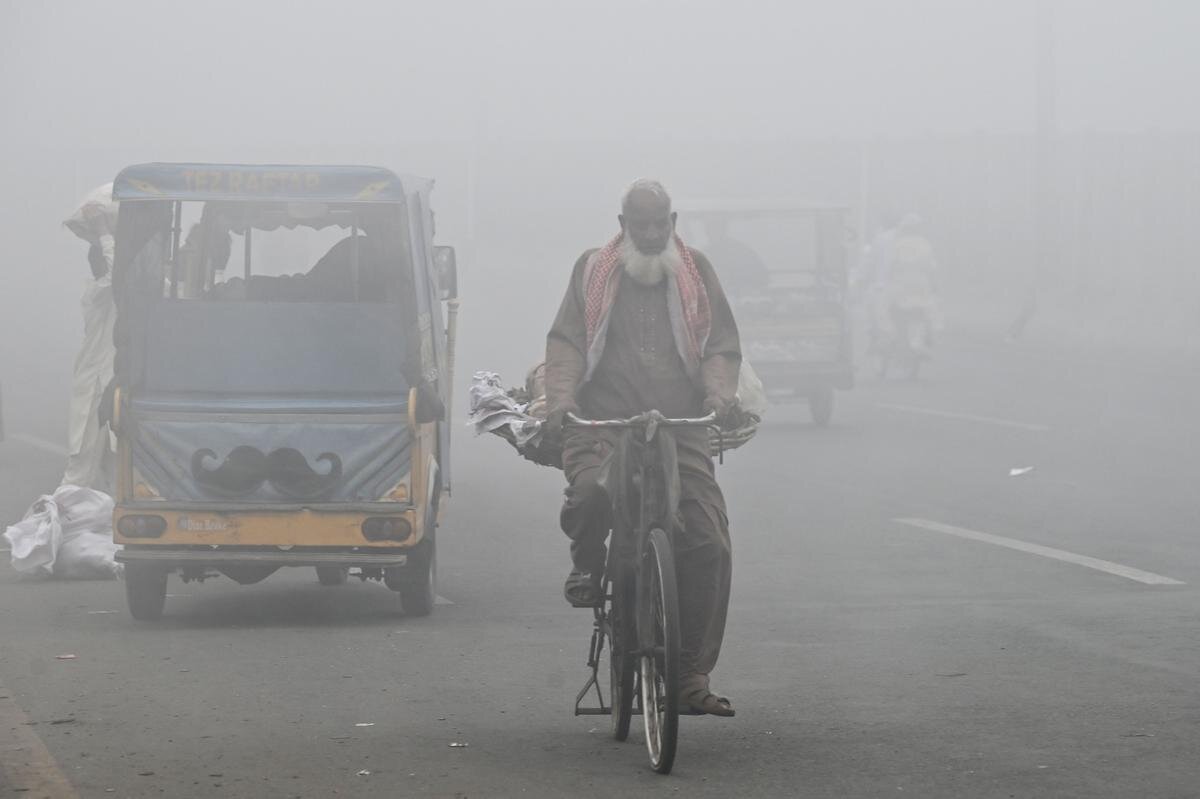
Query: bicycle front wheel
x=658 y=636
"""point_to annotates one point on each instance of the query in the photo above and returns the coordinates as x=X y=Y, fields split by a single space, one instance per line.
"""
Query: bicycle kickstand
x=595 y=650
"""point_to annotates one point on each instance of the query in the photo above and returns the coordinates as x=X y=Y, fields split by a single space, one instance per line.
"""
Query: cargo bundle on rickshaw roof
x=357 y=184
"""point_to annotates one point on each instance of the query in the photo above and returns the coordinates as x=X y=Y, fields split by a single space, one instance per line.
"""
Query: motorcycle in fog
x=908 y=344
x=904 y=303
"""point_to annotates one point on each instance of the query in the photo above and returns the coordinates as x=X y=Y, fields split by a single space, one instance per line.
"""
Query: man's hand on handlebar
x=553 y=428
x=726 y=412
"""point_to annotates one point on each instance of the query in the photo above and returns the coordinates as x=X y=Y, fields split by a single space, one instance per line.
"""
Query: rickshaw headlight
x=385 y=528
x=142 y=526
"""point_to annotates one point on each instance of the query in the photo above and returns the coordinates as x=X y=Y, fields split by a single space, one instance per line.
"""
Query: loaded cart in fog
x=283 y=371
x=784 y=267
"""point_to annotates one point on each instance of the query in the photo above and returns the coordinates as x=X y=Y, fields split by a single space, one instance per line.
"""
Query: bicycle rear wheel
x=621 y=640
x=658 y=638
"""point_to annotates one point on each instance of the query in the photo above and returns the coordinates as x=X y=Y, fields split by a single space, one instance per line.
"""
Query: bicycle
x=638 y=615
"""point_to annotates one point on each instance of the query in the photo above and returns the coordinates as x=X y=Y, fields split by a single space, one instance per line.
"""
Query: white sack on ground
x=66 y=534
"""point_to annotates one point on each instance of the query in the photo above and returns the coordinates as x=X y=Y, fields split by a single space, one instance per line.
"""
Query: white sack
x=751 y=395
x=96 y=216
x=66 y=534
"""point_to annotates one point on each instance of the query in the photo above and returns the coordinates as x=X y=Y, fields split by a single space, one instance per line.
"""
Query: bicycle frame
x=645 y=465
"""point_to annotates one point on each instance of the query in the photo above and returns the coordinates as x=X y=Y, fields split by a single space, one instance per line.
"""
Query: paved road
x=867 y=656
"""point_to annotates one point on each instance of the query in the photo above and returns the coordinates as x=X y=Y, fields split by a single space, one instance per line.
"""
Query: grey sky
x=679 y=90
x=154 y=73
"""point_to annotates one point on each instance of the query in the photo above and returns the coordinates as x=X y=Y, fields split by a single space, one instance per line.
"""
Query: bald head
x=644 y=191
x=646 y=216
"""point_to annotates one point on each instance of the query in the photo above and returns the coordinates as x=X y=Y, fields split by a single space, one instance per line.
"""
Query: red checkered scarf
x=691 y=317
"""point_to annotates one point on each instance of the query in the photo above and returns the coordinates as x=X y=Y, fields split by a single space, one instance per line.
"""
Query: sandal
x=583 y=589
x=700 y=701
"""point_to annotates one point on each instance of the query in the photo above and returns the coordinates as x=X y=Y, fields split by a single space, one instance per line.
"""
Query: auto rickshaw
x=269 y=416
x=784 y=268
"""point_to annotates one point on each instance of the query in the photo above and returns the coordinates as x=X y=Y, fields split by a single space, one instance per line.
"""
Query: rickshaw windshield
x=280 y=299
x=266 y=251
x=764 y=251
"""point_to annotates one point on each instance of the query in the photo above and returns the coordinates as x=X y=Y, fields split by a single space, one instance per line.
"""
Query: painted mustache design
x=245 y=469
x=289 y=472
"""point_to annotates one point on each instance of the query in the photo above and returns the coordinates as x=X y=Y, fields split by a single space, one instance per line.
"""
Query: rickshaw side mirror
x=446 y=265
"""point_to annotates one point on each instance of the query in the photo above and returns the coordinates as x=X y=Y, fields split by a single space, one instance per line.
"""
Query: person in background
x=745 y=273
x=872 y=281
x=911 y=285
x=89 y=449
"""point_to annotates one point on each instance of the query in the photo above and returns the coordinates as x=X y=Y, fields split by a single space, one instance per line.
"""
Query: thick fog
x=532 y=116
x=975 y=578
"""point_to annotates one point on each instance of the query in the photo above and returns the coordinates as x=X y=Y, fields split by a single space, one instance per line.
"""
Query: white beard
x=649 y=270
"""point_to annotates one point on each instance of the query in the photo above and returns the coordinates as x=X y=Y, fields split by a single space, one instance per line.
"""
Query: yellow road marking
x=26 y=765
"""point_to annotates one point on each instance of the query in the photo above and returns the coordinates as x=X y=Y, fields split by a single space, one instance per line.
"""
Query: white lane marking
x=1128 y=572
x=964 y=417
x=441 y=600
x=40 y=443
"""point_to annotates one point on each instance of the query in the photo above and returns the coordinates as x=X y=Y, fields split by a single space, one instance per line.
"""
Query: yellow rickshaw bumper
x=375 y=528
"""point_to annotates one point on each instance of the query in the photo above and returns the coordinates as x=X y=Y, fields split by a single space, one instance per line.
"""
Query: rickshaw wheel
x=820 y=404
x=332 y=575
x=145 y=590
x=415 y=580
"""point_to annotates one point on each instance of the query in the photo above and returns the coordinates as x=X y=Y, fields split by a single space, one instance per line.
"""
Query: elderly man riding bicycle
x=646 y=326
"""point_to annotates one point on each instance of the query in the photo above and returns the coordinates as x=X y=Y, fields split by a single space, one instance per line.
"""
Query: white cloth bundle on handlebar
x=492 y=408
x=516 y=414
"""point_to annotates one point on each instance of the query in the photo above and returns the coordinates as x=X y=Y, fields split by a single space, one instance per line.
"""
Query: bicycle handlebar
x=643 y=418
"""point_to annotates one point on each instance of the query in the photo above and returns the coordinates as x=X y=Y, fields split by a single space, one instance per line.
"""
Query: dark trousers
x=703 y=555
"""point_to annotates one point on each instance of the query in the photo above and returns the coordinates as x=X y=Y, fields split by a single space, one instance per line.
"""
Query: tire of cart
x=145 y=590
x=820 y=405
x=416 y=580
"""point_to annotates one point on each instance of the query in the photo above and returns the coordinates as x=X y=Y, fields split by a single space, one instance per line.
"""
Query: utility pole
x=1044 y=179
